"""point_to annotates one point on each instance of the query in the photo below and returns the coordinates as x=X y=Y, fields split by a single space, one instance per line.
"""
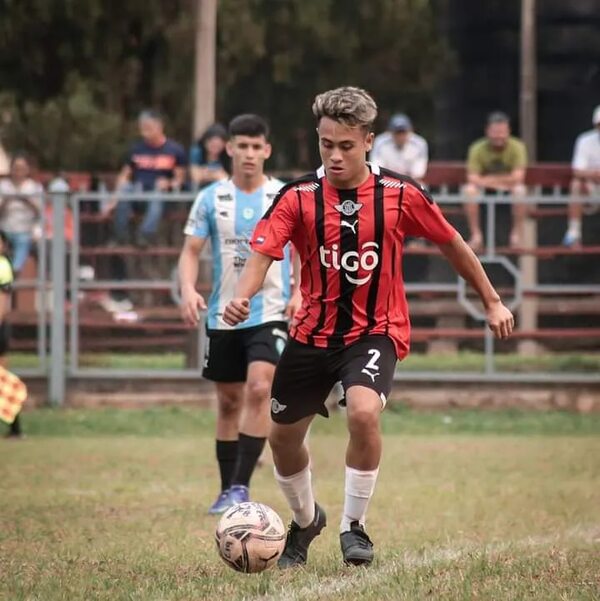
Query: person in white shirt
x=400 y=149
x=20 y=209
x=586 y=177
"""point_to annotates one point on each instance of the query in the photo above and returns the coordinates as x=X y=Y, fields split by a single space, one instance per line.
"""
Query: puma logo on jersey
x=352 y=225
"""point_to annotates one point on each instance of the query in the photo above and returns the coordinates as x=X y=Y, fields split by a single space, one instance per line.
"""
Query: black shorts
x=306 y=374
x=228 y=352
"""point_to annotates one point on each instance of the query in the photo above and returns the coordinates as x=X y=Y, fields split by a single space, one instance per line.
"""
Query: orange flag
x=13 y=393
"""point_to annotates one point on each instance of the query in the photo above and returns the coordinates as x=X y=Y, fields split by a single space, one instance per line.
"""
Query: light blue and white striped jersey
x=227 y=216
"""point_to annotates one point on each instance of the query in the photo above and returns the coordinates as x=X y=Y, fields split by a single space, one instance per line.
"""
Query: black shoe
x=299 y=539
x=357 y=547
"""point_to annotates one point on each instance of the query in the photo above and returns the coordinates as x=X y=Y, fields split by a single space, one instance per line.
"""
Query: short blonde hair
x=348 y=105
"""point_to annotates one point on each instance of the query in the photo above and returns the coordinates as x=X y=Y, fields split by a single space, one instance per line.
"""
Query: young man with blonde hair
x=348 y=221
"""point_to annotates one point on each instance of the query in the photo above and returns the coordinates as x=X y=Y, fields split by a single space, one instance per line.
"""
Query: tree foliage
x=74 y=73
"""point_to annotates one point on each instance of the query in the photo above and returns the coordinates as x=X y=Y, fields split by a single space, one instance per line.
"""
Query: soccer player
x=348 y=221
x=241 y=360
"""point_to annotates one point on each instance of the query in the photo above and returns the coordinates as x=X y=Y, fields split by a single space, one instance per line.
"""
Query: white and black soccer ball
x=250 y=537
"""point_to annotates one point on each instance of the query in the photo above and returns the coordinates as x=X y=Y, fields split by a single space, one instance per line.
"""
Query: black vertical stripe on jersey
x=378 y=219
x=320 y=231
x=348 y=243
x=389 y=296
x=311 y=282
x=394 y=258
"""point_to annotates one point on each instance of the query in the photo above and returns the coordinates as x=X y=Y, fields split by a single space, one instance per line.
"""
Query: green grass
x=462 y=361
x=110 y=504
x=397 y=419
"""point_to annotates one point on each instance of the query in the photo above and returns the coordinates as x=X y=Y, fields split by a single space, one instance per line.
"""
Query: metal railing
x=52 y=354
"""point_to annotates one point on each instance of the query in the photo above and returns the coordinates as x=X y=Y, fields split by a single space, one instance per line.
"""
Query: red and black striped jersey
x=350 y=244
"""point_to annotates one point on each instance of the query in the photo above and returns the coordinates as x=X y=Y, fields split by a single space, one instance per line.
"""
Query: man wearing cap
x=586 y=177
x=401 y=149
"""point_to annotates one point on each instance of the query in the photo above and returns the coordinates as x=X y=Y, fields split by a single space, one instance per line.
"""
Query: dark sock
x=15 y=427
x=248 y=453
x=227 y=451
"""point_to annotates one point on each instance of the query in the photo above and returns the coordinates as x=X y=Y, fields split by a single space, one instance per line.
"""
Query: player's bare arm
x=475 y=178
x=250 y=282
x=465 y=262
x=192 y=302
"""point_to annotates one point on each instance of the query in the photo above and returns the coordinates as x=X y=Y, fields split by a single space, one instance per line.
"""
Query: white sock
x=575 y=227
x=359 y=489
x=297 y=489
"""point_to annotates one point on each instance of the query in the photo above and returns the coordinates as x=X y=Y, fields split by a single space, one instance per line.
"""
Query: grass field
x=110 y=504
x=463 y=361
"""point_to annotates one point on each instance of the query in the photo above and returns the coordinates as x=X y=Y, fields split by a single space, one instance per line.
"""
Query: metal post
x=528 y=114
x=57 y=340
x=42 y=291
x=490 y=254
x=205 y=69
x=491 y=229
x=74 y=287
x=489 y=350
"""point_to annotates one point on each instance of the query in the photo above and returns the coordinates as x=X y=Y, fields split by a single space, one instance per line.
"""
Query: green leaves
x=74 y=74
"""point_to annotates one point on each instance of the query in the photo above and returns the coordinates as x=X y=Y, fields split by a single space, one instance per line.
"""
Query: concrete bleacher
x=158 y=325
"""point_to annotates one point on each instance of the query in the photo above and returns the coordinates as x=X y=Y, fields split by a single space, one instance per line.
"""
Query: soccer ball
x=250 y=537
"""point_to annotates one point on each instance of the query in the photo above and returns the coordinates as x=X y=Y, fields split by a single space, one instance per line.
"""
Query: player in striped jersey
x=348 y=222
x=240 y=360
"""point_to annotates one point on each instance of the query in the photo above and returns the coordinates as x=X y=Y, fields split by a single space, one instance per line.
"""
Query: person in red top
x=348 y=222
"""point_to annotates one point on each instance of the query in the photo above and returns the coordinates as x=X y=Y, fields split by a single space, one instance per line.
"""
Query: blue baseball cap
x=399 y=122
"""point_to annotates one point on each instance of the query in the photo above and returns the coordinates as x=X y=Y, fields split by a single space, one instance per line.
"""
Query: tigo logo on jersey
x=351 y=261
x=348 y=207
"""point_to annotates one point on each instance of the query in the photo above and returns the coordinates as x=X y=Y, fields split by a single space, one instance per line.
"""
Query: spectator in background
x=496 y=163
x=586 y=177
x=209 y=161
x=401 y=149
x=154 y=163
x=20 y=209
